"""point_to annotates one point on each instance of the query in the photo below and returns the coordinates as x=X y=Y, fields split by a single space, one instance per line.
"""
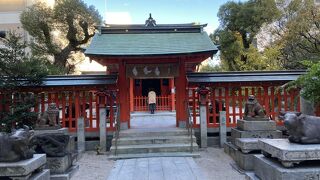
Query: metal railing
x=190 y=125
x=117 y=126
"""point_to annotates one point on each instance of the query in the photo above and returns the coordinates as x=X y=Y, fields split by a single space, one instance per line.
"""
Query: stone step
x=153 y=140
x=153 y=148
x=153 y=132
x=148 y=155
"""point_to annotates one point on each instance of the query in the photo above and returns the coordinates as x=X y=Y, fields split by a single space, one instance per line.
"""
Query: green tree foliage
x=298 y=33
x=310 y=84
x=240 y=22
x=61 y=31
x=18 y=69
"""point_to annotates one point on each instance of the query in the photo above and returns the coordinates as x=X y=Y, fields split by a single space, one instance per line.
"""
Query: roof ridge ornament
x=150 y=21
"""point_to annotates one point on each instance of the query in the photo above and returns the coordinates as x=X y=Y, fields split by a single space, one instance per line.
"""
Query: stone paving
x=162 y=168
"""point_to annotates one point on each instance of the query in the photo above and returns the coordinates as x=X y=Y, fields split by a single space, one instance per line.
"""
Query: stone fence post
x=81 y=142
x=103 y=131
x=222 y=128
x=203 y=92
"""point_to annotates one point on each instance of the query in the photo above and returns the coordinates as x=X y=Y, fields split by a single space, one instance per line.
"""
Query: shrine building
x=151 y=56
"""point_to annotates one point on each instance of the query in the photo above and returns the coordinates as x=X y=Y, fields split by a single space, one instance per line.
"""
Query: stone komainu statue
x=253 y=108
x=16 y=146
x=50 y=117
x=303 y=129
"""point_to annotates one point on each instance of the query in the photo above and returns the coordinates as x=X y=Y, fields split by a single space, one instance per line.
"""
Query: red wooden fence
x=232 y=99
x=72 y=105
x=141 y=103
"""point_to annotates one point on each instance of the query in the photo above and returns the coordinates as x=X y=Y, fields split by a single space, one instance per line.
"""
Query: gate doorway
x=148 y=84
x=163 y=89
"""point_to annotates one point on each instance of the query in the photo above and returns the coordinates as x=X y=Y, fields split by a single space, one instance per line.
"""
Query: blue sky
x=163 y=11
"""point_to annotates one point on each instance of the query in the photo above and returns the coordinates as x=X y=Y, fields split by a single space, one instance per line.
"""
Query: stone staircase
x=154 y=142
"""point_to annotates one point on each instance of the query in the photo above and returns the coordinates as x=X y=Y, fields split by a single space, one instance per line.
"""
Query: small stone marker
x=222 y=128
x=103 y=132
x=80 y=135
x=203 y=126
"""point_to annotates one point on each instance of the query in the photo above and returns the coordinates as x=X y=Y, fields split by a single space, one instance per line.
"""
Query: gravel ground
x=217 y=165
x=214 y=163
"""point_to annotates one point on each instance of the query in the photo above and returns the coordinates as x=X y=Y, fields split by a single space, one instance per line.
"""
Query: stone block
x=271 y=169
x=59 y=164
x=247 y=145
x=245 y=125
x=67 y=175
x=289 y=153
x=256 y=119
x=22 y=168
x=71 y=147
x=41 y=175
x=236 y=133
x=244 y=161
x=230 y=149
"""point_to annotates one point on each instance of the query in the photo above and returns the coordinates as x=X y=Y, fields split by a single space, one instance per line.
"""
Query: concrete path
x=158 y=120
x=161 y=168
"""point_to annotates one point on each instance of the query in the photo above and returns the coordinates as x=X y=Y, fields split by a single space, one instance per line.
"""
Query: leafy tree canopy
x=239 y=24
x=61 y=31
x=298 y=33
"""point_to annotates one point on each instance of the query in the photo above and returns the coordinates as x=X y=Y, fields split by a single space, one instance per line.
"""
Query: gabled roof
x=250 y=76
x=150 y=39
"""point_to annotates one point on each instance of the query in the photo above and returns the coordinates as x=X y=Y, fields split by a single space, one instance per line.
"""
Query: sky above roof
x=163 y=11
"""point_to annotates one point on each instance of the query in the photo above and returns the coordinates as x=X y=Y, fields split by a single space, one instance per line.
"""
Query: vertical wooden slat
x=214 y=107
x=240 y=102
x=36 y=107
x=90 y=109
x=227 y=106
x=77 y=107
x=97 y=111
x=63 y=99
x=233 y=106
x=272 y=104
x=111 y=113
x=266 y=100
x=70 y=109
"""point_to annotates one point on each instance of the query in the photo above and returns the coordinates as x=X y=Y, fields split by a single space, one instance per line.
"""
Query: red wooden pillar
x=171 y=87
x=131 y=94
x=181 y=95
x=123 y=85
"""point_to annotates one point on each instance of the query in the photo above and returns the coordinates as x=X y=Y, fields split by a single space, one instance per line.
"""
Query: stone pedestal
x=236 y=133
x=26 y=169
x=244 y=140
x=270 y=169
x=245 y=125
x=289 y=153
x=282 y=160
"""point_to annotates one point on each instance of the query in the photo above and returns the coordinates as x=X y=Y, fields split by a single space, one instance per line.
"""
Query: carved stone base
x=59 y=164
x=247 y=145
x=271 y=169
x=289 y=153
x=243 y=160
x=67 y=175
x=236 y=133
x=24 y=169
x=245 y=125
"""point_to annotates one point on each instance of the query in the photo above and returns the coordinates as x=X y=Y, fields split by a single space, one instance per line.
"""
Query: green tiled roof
x=150 y=44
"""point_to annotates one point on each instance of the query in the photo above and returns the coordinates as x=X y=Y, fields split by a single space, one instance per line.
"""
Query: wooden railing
x=72 y=105
x=232 y=100
x=141 y=103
